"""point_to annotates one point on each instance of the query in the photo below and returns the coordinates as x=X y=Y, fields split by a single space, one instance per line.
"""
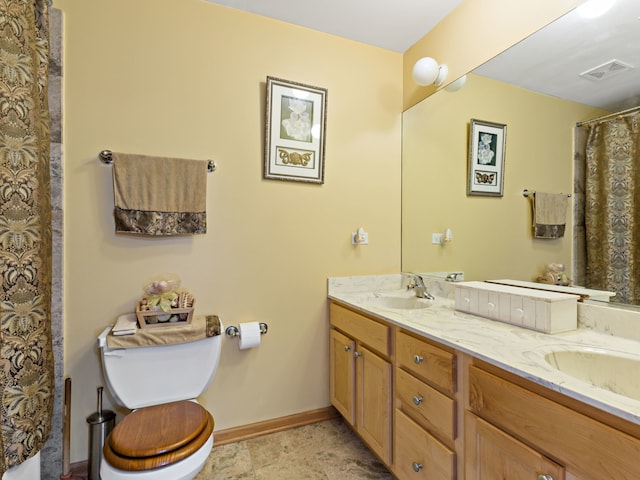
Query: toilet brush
x=100 y=425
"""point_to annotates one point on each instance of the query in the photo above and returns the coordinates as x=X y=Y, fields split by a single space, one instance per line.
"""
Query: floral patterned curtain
x=612 y=207
x=26 y=355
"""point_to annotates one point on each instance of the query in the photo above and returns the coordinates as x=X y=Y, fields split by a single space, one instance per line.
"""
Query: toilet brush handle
x=100 y=401
x=66 y=431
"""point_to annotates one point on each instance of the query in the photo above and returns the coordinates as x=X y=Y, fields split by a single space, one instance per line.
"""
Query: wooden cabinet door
x=373 y=394
x=342 y=375
x=498 y=456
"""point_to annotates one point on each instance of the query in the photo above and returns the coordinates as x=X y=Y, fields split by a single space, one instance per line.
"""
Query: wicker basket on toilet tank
x=180 y=313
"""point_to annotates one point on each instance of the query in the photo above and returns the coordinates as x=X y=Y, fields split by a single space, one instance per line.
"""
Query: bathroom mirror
x=536 y=90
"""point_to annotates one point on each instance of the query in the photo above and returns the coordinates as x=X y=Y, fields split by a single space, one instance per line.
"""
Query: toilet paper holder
x=233 y=331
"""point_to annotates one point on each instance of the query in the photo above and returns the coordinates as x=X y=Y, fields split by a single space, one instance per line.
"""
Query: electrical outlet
x=437 y=238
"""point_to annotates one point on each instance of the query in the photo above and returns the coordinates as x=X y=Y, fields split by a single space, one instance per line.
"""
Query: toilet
x=168 y=435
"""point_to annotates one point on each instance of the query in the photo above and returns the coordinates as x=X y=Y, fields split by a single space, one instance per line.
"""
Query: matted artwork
x=295 y=131
x=487 y=144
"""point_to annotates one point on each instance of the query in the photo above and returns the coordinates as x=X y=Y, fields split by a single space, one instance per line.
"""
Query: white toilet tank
x=143 y=376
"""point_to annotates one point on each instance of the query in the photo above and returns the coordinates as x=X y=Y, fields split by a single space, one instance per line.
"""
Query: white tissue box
x=547 y=312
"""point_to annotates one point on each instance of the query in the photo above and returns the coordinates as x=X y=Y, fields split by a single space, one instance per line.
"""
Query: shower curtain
x=612 y=207
x=26 y=355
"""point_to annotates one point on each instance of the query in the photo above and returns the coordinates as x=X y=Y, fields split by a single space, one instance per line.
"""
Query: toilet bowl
x=168 y=435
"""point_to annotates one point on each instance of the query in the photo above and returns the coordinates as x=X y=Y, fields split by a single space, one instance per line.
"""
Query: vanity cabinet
x=434 y=412
x=517 y=429
x=425 y=427
x=361 y=376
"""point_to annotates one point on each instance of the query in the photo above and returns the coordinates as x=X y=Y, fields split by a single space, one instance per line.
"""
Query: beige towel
x=159 y=196
x=549 y=214
x=201 y=326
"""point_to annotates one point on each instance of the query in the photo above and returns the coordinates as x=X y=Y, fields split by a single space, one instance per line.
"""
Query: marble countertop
x=509 y=347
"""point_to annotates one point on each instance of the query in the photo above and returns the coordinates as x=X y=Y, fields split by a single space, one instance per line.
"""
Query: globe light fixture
x=427 y=71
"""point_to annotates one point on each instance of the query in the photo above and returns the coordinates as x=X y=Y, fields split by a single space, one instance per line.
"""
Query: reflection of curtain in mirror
x=612 y=203
x=26 y=357
x=579 y=248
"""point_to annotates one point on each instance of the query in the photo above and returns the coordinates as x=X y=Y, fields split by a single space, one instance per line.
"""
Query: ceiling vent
x=606 y=70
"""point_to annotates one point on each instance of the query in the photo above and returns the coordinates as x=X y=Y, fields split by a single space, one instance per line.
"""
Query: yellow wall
x=492 y=236
x=475 y=32
x=187 y=78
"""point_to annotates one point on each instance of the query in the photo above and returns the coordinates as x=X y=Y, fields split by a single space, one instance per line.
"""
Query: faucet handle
x=415 y=281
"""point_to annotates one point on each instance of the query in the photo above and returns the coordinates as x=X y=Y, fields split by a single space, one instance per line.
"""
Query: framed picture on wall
x=487 y=145
x=294 y=131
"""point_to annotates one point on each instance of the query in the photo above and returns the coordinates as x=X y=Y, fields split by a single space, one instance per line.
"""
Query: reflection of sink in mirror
x=613 y=371
x=399 y=302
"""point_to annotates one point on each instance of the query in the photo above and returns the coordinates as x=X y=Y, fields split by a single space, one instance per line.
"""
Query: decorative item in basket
x=165 y=303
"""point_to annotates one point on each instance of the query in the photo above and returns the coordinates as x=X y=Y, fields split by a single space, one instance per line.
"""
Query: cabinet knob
x=347 y=348
x=545 y=477
x=418 y=466
x=418 y=359
x=418 y=400
x=356 y=354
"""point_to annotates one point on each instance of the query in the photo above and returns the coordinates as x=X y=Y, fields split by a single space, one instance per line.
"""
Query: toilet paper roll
x=249 y=335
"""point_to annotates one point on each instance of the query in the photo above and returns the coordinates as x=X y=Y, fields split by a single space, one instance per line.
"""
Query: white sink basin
x=609 y=370
x=398 y=301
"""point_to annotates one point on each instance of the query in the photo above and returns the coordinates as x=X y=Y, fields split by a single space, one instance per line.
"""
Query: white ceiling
x=549 y=61
x=390 y=24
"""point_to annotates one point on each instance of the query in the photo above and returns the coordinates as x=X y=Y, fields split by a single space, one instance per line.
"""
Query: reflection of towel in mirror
x=549 y=214
x=159 y=196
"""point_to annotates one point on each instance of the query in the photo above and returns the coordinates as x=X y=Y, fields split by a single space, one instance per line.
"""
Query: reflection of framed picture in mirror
x=487 y=144
x=295 y=131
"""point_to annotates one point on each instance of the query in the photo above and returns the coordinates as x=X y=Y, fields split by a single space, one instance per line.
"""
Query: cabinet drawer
x=566 y=435
x=428 y=362
x=418 y=455
x=428 y=407
x=374 y=334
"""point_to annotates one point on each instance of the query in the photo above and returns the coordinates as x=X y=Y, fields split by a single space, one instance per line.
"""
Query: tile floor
x=322 y=451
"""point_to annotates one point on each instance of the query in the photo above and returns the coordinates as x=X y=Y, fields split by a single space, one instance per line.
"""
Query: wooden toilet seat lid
x=149 y=463
x=158 y=429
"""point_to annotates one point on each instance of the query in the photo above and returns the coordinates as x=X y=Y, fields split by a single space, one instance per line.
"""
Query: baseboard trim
x=245 y=432
x=258 y=429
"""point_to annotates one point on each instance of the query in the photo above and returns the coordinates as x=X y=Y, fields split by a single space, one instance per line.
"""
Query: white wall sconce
x=456 y=84
x=426 y=71
x=594 y=8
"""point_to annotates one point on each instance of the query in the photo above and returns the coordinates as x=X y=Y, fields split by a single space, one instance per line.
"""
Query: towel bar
x=106 y=156
x=526 y=193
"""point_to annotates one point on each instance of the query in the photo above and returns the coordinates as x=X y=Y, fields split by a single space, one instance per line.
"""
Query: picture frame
x=487 y=146
x=294 y=131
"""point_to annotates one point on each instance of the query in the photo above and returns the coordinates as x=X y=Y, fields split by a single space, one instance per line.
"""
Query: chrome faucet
x=453 y=277
x=417 y=284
